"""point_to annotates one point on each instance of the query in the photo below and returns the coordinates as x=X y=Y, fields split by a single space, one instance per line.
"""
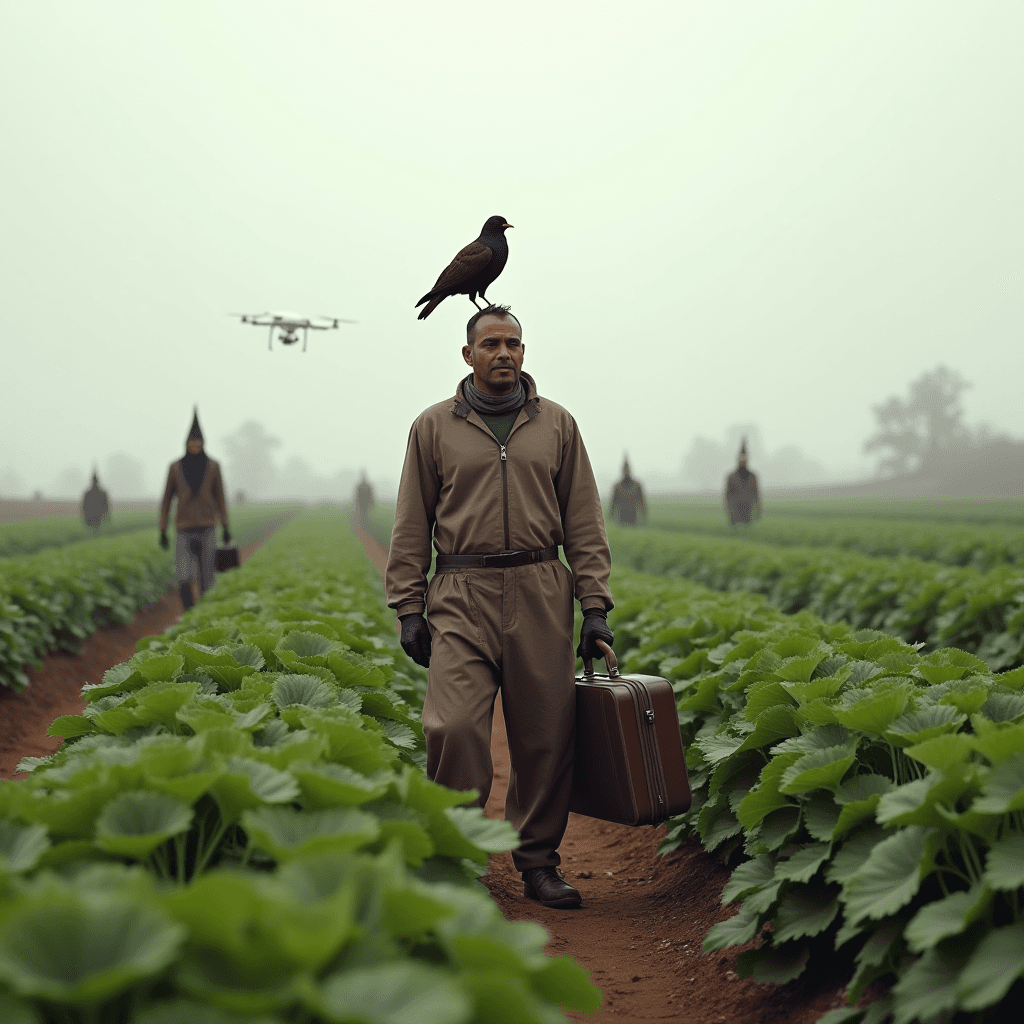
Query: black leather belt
x=506 y=560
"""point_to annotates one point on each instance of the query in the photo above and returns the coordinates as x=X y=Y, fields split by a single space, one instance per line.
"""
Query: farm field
x=871 y=794
x=261 y=758
x=920 y=601
x=25 y=536
x=953 y=511
x=54 y=598
x=984 y=544
x=824 y=759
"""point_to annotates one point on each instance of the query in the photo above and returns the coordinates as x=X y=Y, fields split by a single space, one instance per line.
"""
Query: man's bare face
x=496 y=354
x=193 y=446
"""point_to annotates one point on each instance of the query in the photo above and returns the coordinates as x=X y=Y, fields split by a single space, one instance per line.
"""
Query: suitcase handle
x=610 y=661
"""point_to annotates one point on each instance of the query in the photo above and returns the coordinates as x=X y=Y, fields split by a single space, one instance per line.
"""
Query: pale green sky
x=776 y=212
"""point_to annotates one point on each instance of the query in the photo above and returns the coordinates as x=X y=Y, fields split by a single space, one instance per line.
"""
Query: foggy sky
x=761 y=213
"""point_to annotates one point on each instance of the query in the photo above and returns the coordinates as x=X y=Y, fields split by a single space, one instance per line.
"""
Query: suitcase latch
x=650 y=716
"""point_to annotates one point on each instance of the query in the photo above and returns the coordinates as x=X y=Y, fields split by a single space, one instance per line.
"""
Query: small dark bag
x=630 y=764
x=227 y=557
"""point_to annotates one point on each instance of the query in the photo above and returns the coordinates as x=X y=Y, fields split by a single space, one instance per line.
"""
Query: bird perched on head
x=473 y=270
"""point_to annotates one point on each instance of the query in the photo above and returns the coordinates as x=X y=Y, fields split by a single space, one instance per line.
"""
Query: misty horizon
x=755 y=216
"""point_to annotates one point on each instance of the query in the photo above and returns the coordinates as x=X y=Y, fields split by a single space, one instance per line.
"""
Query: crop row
x=980 y=546
x=922 y=602
x=55 y=598
x=25 y=536
x=980 y=511
x=874 y=795
x=238 y=829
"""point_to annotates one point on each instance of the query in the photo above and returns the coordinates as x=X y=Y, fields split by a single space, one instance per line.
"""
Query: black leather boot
x=547 y=886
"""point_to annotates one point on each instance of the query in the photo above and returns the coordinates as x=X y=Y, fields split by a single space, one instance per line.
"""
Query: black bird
x=474 y=270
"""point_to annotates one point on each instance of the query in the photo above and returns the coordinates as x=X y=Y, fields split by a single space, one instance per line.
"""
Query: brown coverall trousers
x=509 y=629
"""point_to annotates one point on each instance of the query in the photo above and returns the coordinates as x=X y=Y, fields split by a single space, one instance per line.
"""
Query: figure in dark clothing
x=742 y=497
x=196 y=482
x=629 y=506
x=364 y=499
x=95 y=505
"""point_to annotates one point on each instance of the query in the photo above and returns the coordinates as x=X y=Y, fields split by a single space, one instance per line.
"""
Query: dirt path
x=55 y=689
x=643 y=919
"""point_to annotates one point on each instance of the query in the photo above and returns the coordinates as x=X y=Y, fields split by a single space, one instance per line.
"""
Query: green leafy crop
x=874 y=794
x=239 y=827
x=54 y=599
x=940 y=605
x=980 y=545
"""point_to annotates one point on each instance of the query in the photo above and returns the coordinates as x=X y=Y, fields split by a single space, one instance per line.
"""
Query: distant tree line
x=925 y=426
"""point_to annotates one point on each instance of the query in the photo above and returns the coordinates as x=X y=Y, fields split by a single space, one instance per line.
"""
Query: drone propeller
x=338 y=319
x=246 y=317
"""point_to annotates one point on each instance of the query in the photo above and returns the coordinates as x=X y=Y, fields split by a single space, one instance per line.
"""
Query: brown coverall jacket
x=493 y=628
x=203 y=508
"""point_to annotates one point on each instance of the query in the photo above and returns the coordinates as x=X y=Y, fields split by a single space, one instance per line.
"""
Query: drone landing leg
x=270 y=340
x=305 y=338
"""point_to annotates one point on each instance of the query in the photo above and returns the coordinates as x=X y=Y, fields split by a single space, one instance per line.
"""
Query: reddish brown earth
x=643 y=919
x=54 y=689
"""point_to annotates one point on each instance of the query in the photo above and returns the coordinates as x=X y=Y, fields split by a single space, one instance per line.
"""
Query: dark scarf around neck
x=493 y=405
x=194 y=468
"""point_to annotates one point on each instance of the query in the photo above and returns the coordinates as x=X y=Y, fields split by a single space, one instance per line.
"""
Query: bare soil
x=55 y=689
x=643 y=919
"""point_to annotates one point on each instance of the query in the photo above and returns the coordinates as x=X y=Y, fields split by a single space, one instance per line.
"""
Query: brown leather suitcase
x=227 y=557
x=630 y=765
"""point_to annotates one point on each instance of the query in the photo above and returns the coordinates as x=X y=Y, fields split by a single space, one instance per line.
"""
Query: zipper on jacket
x=504 y=496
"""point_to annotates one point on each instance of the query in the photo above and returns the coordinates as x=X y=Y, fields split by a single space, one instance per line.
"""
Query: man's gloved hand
x=594 y=628
x=164 y=542
x=227 y=535
x=416 y=638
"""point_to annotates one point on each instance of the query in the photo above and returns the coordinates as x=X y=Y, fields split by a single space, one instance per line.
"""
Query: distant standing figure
x=95 y=505
x=196 y=482
x=742 y=498
x=628 y=503
x=364 y=499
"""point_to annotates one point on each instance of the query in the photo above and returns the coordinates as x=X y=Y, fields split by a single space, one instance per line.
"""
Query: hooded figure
x=195 y=480
x=628 y=503
x=742 y=497
x=95 y=504
x=364 y=499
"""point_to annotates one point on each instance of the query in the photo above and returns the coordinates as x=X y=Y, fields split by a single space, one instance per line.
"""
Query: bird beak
x=508 y=225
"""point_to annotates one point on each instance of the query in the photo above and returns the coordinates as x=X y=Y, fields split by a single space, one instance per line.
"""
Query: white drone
x=289 y=324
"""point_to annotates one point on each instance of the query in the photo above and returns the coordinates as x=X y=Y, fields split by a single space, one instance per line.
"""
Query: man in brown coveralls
x=742 y=498
x=196 y=482
x=498 y=477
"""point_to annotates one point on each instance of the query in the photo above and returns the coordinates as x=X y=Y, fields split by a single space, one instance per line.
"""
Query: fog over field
x=730 y=219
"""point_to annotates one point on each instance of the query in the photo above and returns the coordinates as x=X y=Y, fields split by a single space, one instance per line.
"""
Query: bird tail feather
x=431 y=306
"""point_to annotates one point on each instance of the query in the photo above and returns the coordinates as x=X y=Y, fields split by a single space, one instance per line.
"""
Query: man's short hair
x=501 y=312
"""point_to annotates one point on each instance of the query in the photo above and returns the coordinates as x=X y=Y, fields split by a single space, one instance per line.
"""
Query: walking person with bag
x=196 y=481
x=498 y=478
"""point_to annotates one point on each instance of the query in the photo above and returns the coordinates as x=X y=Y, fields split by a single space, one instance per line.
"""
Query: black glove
x=594 y=628
x=164 y=542
x=416 y=638
x=227 y=535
